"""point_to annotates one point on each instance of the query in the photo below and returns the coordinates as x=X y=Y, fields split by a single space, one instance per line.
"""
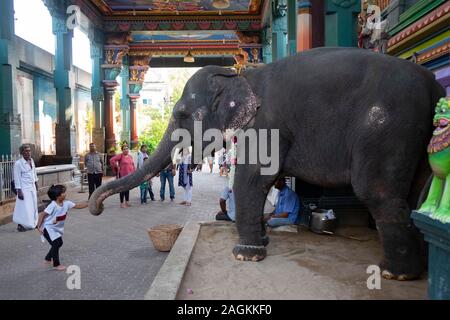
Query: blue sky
x=34 y=24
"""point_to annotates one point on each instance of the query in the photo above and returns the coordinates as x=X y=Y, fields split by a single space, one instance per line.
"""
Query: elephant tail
x=421 y=183
x=424 y=191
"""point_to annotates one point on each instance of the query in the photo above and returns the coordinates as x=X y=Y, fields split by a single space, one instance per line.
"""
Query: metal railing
x=7 y=176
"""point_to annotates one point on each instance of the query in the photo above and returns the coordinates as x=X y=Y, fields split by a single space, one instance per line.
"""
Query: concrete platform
x=113 y=251
x=298 y=266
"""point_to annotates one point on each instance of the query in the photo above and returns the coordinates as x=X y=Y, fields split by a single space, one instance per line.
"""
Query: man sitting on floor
x=286 y=208
x=224 y=214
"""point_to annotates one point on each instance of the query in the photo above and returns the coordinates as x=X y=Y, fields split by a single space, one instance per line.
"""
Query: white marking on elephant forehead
x=193 y=96
x=232 y=104
x=376 y=116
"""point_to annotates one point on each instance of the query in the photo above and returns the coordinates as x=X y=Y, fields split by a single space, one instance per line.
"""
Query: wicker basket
x=164 y=236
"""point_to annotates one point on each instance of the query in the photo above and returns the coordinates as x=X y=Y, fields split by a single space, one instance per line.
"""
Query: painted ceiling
x=183 y=36
x=179 y=7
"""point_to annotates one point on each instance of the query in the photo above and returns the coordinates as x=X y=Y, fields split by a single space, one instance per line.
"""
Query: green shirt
x=144 y=185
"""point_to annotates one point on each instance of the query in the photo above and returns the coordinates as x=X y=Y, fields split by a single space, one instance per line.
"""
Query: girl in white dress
x=51 y=222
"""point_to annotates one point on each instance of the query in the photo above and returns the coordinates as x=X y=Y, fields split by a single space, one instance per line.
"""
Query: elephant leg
x=250 y=192
x=434 y=195
x=401 y=241
x=264 y=236
x=443 y=211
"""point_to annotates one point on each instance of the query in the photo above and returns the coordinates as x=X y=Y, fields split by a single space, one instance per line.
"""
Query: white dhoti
x=26 y=210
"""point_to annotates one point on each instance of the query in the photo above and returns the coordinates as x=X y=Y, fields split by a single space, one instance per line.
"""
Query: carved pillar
x=125 y=102
x=110 y=138
x=279 y=29
x=292 y=26
x=341 y=23
x=133 y=122
x=318 y=23
x=304 y=26
x=97 y=94
x=112 y=68
x=10 y=126
x=64 y=84
x=267 y=45
x=137 y=70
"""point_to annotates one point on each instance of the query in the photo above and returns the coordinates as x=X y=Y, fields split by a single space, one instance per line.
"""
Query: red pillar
x=110 y=89
x=304 y=26
x=133 y=122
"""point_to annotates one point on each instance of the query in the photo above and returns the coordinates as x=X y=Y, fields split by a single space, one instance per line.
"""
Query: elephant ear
x=234 y=99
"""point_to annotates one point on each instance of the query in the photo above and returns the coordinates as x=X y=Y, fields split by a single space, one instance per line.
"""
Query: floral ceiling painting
x=182 y=6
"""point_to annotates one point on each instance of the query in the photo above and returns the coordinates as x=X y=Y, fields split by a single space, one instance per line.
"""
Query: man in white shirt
x=224 y=213
x=25 y=182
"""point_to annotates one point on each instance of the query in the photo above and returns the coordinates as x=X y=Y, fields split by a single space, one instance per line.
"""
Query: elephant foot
x=401 y=277
x=386 y=273
x=265 y=241
x=249 y=253
x=404 y=256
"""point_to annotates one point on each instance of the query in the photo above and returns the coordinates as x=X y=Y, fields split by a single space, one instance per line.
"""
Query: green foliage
x=160 y=116
x=154 y=133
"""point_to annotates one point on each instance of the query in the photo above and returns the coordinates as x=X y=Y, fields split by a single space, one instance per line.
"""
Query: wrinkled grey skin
x=346 y=117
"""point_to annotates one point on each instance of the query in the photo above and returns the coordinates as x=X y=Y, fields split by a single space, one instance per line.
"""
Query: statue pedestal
x=437 y=234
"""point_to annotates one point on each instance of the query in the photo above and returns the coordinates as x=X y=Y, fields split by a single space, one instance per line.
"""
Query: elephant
x=345 y=117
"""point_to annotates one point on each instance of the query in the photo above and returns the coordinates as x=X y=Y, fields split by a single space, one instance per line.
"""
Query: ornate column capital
x=59 y=25
x=114 y=55
x=304 y=6
x=58 y=11
x=139 y=65
x=279 y=8
x=97 y=93
x=95 y=35
x=96 y=50
x=113 y=63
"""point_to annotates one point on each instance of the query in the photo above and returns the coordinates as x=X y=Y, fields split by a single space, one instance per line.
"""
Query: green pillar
x=279 y=29
x=64 y=84
x=97 y=92
x=125 y=102
x=10 y=127
x=341 y=23
x=267 y=45
x=292 y=27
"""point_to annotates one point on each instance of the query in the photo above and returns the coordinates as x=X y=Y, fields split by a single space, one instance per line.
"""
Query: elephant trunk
x=159 y=160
